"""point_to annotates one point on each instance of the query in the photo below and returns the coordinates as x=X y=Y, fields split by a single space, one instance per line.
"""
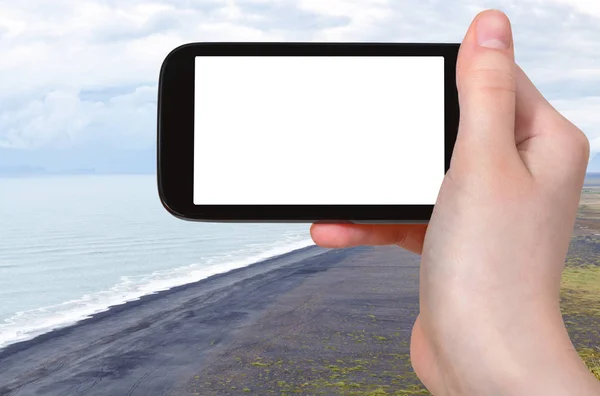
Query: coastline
x=253 y=269
x=171 y=340
x=56 y=316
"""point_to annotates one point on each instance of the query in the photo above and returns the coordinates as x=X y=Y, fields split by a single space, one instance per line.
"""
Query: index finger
x=407 y=236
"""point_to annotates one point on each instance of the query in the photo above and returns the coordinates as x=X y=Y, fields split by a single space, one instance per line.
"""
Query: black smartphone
x=306 y=132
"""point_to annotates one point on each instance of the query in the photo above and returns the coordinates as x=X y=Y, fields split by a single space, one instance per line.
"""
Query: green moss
x=368 y=375
x=412 y=390
x=580 y=284
x=377 y=392
x=591 y=357
x=580 y=290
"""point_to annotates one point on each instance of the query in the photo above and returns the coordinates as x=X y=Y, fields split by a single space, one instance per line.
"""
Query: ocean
x=72 y=246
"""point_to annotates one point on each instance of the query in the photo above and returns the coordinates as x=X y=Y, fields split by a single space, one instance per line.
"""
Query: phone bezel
x=175 y=145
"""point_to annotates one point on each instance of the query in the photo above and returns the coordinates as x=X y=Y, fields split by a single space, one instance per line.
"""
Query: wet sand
x=314 y=321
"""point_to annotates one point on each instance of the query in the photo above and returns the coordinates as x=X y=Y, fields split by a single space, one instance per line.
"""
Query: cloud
x=62 y=119
x=586 y=6
x=77 y=73
x=60 y=64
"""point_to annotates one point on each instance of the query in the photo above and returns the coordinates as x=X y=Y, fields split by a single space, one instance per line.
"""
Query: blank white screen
x=318 y=130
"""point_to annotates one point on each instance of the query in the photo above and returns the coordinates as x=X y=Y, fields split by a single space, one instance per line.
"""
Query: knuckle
x=579 y=146
x=573 y=147
x=583 y=142
x=401 y=237
x=492 y=80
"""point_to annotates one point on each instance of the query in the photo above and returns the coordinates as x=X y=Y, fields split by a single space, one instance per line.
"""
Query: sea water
x=71 y=246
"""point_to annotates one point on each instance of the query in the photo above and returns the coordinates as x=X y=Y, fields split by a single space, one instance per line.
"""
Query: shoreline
x=275 y=324
x=128 y=305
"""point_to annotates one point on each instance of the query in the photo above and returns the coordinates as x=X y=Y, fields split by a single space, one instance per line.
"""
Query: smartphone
x=306 y=132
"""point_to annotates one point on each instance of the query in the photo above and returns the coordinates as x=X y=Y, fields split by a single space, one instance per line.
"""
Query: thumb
x=486 y=90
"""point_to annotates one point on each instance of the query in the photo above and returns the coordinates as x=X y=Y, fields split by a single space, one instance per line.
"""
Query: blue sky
x=79 y=77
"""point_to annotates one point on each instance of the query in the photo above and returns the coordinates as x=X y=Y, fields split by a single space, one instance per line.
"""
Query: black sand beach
x=313 y=321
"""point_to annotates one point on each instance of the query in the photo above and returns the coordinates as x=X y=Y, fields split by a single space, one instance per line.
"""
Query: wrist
x=553 y=372
x=533 y=356
x=556 y=372
x=545 y=362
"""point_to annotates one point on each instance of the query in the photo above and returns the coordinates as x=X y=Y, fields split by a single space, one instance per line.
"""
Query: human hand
x=494 y=249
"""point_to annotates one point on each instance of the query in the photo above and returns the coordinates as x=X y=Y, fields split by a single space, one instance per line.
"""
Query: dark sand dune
x=309 y=322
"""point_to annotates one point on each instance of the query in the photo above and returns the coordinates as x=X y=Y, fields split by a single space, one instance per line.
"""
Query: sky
x=78 y=78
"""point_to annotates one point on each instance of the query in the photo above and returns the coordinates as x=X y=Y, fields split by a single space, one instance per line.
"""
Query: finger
x=407 y=236
x=486 y=86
